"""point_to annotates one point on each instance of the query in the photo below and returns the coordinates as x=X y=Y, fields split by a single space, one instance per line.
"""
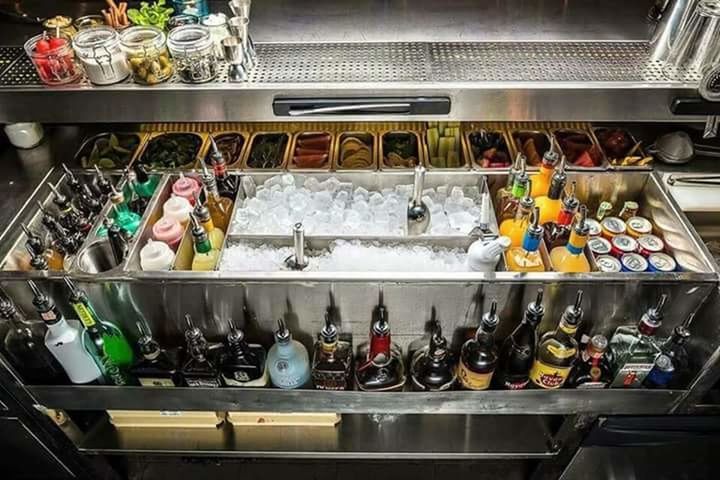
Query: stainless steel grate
x=7 y=56
x=20 y=73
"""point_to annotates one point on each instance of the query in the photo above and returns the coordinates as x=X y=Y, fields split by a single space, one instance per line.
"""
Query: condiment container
x=186 y=187
x=61 y=23
x=24 y=135
x=217 y=24
x=169 y=231
x=178 y=209
x=155 y=256
x=98 y=49
x=484 y=255
x=147 y=54
x=53 y=58
x=193 y=51
x=88 y=21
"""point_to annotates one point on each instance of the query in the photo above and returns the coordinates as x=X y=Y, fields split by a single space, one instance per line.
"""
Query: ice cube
x=386 y=191
x=345 y=187
x=404 y=191
x=275 y=188
x=360 y=206
x=274 y=180
x=248 y=186
x=429 y=192
x=287 y=180
x=428 y=202
x=471 y=191
x=361 y=193
x=331 y=184
x=462 y=221
x=467 y=203
x=312 y=184
x=263 y=194
x=375 y=199
x=457 y=194
x=322 y=200
x=442 y=190
x=342 y=196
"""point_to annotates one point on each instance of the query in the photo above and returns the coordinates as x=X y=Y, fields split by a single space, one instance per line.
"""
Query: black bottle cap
x=141 y=173
x=43 y=304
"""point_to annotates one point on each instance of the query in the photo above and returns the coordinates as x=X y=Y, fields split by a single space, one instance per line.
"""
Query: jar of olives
x=147 y=54
x=193 y=52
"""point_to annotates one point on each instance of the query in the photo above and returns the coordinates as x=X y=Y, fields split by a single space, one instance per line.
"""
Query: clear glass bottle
x=243 y=364
x=571 y=258
x=147 y=54
x=220 y=207
x=558 y=349
x=551 y=203
x=332 y=359
x=593 y=368
x=156 y=367
x=634 y=348
x=479 y=355
x=517 y=352
x=527 y=258
x=288 y=363
x=98 y=49
x=379 y=364
x=193 y=52
x=433 y=367
x=199 y=370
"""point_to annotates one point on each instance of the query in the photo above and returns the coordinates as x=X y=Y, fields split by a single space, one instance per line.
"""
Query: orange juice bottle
x=541 y=180
x=527 y=258
x=551 y=203
x=571 y=257
x=515 y=228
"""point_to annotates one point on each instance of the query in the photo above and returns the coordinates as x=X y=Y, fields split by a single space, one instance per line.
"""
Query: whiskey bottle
x=156 y=367
x=379 y=363
x=332 y=359
x=242 y=364
x=593 y=368
x=479 y=355
x=227 y=185
x=198 y=370
x=517 y=353
x=634 y=348
x=288 y=362
x=558 y=349
x=433 y=367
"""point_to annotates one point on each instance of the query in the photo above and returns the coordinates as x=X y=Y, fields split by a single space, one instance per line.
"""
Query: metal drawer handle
x=403 y=108
x=713 y=180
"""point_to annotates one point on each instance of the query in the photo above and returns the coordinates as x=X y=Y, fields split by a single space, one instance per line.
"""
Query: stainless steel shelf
x=529 y=402
x=484 y=80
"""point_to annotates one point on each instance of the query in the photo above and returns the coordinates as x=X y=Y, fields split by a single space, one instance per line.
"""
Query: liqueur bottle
x=515 y=228
x=508 y=198
x=479 y=355
x=242 y=364
x=202 y=213
x=672 y=366
x=69 y=217
x=288 y=363
x=571 y=257
x=144 y=184
x=103 y=184
x=558 y=349
x=432 y=367
x=332 y=359
x=205 y=257
x=551 y=203
x=24 y=343
x=155 y=367
x=593 y=370
x=198 y=370
x=517 y=353
x=124 y=217
x=557 y=233
x=379 y=365
x=227 y=185
x=527 y=258
x=634 y=348
x=220 y=207
x=67 y=341
x=541 y=180
x=66 y=241
x=111 y=346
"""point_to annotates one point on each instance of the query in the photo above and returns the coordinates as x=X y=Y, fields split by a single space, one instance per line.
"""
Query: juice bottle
x=571 y=257
x=541 y=180
x=515 y=228
x=527 y=258
x=206 y=256
x=550 y=204
x=507 y=198
x=557 y=233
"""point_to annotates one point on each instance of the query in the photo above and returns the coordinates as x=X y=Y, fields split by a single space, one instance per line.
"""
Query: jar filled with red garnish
x=53 y=58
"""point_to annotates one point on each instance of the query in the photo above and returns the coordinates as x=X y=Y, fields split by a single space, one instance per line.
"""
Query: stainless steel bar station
x=330 y=238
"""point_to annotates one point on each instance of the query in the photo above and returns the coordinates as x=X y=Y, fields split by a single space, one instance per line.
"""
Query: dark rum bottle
x=433 y=366
x=479 y=355
x=593 y=368
x=156 y=367
x=332 y=359
x=199 y=370
x=242 y=364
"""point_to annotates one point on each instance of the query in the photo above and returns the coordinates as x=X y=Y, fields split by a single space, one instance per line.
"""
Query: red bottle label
x=379 y=345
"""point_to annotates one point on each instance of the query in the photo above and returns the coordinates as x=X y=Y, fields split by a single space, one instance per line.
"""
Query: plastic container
x=198 y=8
x=186 y=187
x=98 y=49
x=147 y=54
x=24 y=135
x=194 y=53
x=178 y=209
x=156 y=256
x=53 y=59
x=169 y=231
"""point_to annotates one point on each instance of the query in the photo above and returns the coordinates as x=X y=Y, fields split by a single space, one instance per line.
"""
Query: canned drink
x=608 y=264
x=661 y=262
x=649 y=244
x=633 y=263
x=594 y=228
x=622 y=244
x=612 y=226
x=599 y=246
x=638 y=226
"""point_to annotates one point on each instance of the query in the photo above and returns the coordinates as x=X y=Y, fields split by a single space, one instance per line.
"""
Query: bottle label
x=84 y=314
x=562 y=353
x=576 y=243
x=240 y=378
x=516 y=385
x=591 y=385
x=202 y=382
x=473 y=380
x=49 y=316
x=659 y=377
x=548 y=376
x=156 y=382
x=631 y=375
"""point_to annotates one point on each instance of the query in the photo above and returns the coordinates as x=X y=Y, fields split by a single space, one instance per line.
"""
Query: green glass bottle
x=111 y=346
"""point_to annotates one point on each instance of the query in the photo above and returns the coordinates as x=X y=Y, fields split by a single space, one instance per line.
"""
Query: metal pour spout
x=418 y=214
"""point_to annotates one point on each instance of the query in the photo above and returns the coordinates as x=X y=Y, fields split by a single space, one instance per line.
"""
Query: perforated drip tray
x=421 y=62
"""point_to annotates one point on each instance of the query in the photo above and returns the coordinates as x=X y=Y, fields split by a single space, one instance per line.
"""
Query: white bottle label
x=631 y=375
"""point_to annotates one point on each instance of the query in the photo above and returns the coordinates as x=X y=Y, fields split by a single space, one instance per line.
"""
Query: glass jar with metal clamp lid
x=147 y=54
x=98 y=49
x=193 y=52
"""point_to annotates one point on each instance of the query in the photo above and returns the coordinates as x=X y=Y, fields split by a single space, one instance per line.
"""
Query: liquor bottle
x=135 y=202
x=112 y=347
x=517 y=352
x=508 y=198
x=593 y=369
x=288 y=363
x=202 y=213
x=671 y=367
x=571 y=257
x=199 y=370
x=557 y=233
x=527 y=258
x=551 y=203
x=67 y=341
x=155 y=367
x=628 y=211
x=379 y=365
x=68 y=242
x=558 y=350
x=633 y=348
x=541 y=180
x=332 y=359
x=103 y=184
x=227 y=184
x=117 y=237
x=69 y=217
x=479 y=355
x=24 y=344
x=433 y=367
x=220 y=207
x=205 y=257
x=35 y=243
x=37 y=262
x=145 y=184
x=124 y=217
x=515 y=228
x=242 y=364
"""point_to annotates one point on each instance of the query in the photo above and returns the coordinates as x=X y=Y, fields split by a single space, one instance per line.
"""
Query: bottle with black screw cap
x=479 y=355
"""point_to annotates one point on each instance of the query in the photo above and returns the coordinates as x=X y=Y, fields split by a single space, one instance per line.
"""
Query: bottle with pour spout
x=509 y=198
x=202 y=213
x=527 y=258
x=571 y=258
x=551 y=203
x=206 y=256
x=220 y=207
x=541 y=180
x=557 y=233
x=227 y=184
x=479 y=355
x=515 y=228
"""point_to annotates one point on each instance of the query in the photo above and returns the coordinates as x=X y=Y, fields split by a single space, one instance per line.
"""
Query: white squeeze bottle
x=64 y=340
x=156 y=256
x=484 y=255
x=177 y=208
